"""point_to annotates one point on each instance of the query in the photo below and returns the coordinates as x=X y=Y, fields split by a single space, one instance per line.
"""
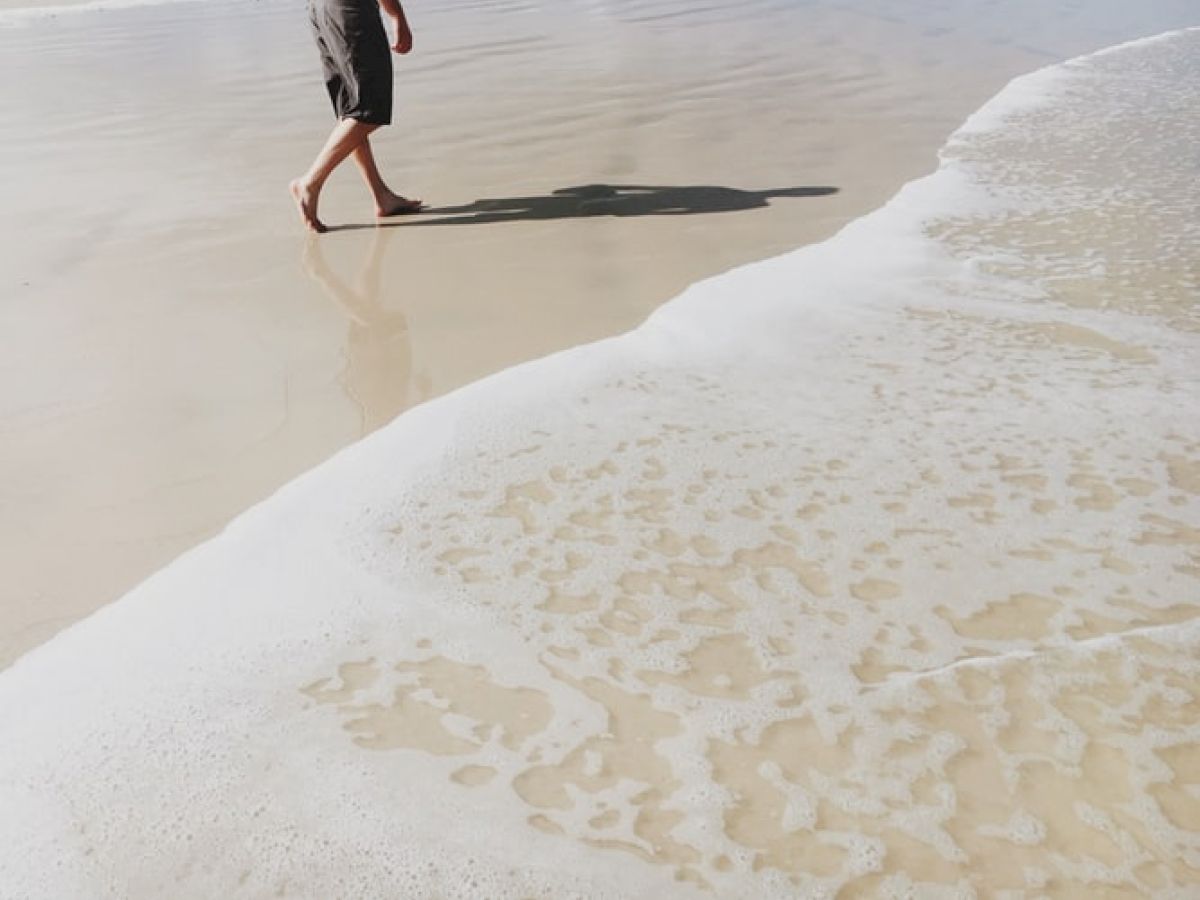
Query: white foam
x=893 y=517
x=1041 y=88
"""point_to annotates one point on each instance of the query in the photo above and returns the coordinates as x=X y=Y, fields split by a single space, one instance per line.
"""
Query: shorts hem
x=367 y=118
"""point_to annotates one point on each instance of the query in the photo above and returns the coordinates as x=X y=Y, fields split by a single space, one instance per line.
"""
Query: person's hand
x=403 y=37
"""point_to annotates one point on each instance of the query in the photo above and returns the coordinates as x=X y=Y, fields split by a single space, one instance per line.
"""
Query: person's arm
x=394 y=10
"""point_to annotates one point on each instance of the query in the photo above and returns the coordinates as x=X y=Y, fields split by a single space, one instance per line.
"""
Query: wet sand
x=174 y=348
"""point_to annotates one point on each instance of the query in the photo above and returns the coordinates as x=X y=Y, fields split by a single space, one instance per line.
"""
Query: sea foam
x=871 y=568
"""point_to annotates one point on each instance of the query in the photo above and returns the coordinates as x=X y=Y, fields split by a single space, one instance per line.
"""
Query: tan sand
x=174 y=348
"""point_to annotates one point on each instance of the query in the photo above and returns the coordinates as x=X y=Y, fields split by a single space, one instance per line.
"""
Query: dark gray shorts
x=355 y=58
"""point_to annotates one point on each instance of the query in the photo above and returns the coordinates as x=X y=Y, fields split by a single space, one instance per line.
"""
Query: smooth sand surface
x=173 y=347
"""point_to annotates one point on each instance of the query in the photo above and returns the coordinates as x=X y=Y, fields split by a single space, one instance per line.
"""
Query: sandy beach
x=567 y=554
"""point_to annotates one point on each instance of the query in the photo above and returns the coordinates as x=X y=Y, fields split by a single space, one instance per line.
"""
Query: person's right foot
x=395 y=205
x=306 y=205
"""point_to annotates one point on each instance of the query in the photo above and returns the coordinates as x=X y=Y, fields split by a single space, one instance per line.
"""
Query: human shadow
x=609 y=200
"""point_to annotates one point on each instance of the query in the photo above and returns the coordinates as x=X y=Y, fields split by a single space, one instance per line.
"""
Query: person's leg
x=345 y=137
x=387 y=202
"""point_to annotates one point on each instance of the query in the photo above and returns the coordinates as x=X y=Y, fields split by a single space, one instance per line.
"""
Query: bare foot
x=306 y=204
x=395 y=205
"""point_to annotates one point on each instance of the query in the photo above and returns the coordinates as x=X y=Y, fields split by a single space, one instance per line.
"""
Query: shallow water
x=869 y=570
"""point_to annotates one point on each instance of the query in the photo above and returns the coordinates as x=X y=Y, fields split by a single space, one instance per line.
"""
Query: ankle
x=310 y=183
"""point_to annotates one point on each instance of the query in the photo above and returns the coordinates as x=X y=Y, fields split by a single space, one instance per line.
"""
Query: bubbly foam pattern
x=1117 y=227
x=868 y=571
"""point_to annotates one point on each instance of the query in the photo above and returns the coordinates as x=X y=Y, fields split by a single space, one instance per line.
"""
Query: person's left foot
x=395 y=205
x=306 y=205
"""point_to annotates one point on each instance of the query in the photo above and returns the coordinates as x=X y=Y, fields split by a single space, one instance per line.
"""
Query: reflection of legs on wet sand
x=378 y=375
x=361 y=302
